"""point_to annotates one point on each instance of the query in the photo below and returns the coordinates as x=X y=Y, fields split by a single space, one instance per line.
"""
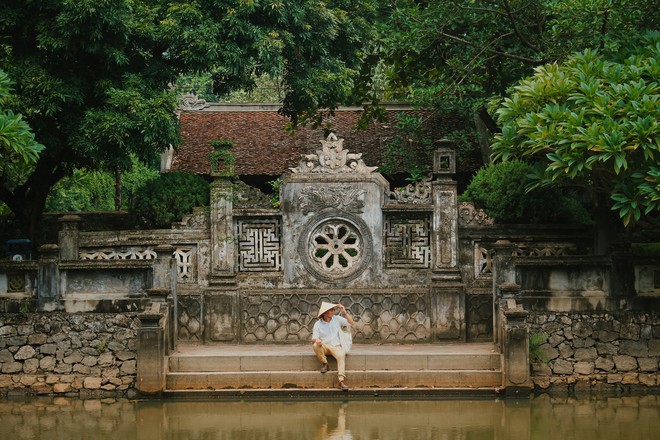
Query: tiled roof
x=262 y=146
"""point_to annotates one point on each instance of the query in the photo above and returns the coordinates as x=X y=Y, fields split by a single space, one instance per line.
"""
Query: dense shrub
x=168 y=198
x=500 y=190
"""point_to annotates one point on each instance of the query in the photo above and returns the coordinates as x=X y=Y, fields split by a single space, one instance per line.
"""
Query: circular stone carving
x=335 y=248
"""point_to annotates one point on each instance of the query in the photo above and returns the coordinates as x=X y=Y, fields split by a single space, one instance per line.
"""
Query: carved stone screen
x=394 y=316
x=259 y=245
x=407 y=241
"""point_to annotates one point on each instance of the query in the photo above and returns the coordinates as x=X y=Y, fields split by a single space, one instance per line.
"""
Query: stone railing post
x=48 y=293
x=516 y=379
x=151 y=350
x=68 y=237
x=222 y=242
x=447 y=296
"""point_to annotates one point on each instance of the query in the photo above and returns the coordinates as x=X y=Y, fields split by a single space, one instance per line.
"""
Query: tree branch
x=521 y=37
x=504 y=54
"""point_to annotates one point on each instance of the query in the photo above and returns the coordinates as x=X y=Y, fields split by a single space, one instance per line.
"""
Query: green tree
x=93 y=78
x=452 y=56
x=20 y=151
x=592 y=123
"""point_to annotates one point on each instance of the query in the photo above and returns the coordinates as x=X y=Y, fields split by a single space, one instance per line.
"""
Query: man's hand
x=317 y=342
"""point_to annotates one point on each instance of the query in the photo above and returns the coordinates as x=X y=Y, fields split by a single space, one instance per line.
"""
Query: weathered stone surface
x=125 y=355
x=6 y=356
x=608 y=348
x=48 y=349
x=12 y=367
x=31 y=366
x=630 y=331
x=25 y=352
x=654 y=347
x=106 y=359
x=61 y=388
x=562 y=366
x=37 y=339
x=548 y=352
x=565 y=350
x=128 y=367
x=583 y=367
x=625 y=363
x=90 y=361
x=607 y=336
x=92 y=383
x=586 y=354
x=604 y=364
x=73 y=358
x=7 y=330
x=650 y=380
x=47 y=363
x=648 y=364
x=634 y=348
x=582 y=329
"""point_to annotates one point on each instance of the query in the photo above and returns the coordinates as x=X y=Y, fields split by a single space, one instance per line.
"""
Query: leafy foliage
x=19 y=149
x=452 y=56
x=94 y=78
x=168 y=198
x=93 y=190
x=593 y=122
x=500 y=190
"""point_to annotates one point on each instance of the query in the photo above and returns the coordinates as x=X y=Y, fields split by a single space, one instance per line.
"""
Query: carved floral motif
x=332 y=158
x=468 y=215
x=417 y=193
x=190 y=102
x=345 y=197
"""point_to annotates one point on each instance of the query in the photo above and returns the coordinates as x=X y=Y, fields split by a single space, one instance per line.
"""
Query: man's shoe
x=343 y=386
x=324 y=368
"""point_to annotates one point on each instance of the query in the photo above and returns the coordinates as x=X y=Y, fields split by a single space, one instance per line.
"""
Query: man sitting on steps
x=327 y=337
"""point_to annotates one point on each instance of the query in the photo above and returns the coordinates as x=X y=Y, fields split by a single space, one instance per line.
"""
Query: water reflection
x=535 y=419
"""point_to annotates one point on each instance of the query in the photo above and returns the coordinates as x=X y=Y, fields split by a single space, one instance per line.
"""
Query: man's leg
x=338 y=353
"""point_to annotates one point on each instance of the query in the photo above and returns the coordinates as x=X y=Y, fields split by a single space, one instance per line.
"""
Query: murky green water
x=452 y=419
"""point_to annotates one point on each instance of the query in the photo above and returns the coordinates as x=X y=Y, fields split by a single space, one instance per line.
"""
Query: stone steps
x=226 y=367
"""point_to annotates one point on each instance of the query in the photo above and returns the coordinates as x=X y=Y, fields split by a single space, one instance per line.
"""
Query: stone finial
x=332 y=158
x=190 y=102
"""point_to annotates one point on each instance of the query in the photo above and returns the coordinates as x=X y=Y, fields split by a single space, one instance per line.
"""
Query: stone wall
x=85 y=355
x=596 y=353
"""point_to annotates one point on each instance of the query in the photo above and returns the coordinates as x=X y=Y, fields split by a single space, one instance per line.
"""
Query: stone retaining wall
x=85 y=355
x=596 y=353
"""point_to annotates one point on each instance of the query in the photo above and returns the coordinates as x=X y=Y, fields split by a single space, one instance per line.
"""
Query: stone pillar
x=68 y=237
x=151 y=352
x=220 y=302
x=222 y=234
x=504 y=283
x=163 y=275
x=516 y=369
x=447 y=295
x=48 y=293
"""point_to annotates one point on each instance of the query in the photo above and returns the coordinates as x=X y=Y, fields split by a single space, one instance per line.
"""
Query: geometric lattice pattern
x=407 y=241
x=184 y=264
x=483 y=261
x=190 y=310
x=391 y=317
x=15 y=283
x=114 y=254
x=479 y=316
x=259 y=247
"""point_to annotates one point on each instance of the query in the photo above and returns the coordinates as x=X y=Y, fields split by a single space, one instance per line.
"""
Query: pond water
x=448 y=419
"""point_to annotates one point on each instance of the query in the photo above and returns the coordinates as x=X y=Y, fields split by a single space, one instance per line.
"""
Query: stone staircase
x=454 y=368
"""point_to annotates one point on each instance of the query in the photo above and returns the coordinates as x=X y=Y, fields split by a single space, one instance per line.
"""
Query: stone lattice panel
x=185 y=269
x=407 y=241
x=189 y=318
x=259 y=248
x=479 y=310
x=380 y=317
x=483 y=260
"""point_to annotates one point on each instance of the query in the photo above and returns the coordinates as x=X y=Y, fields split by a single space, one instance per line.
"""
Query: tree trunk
x=117 y=189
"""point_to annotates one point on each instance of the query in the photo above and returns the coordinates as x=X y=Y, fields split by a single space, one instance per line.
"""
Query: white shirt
x=328 y=332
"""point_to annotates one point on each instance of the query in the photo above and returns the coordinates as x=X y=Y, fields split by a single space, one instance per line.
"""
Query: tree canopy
x=93 y=78
x=453 y=56
x=593 y=123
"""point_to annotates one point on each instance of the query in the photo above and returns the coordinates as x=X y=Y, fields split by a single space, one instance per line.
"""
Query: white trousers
x=336 y=352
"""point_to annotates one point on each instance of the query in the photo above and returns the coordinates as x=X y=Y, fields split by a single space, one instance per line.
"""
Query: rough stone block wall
x=596 y=353
x=85 y=355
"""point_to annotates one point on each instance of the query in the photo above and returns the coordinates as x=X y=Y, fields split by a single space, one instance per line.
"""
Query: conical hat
x=325 y=306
